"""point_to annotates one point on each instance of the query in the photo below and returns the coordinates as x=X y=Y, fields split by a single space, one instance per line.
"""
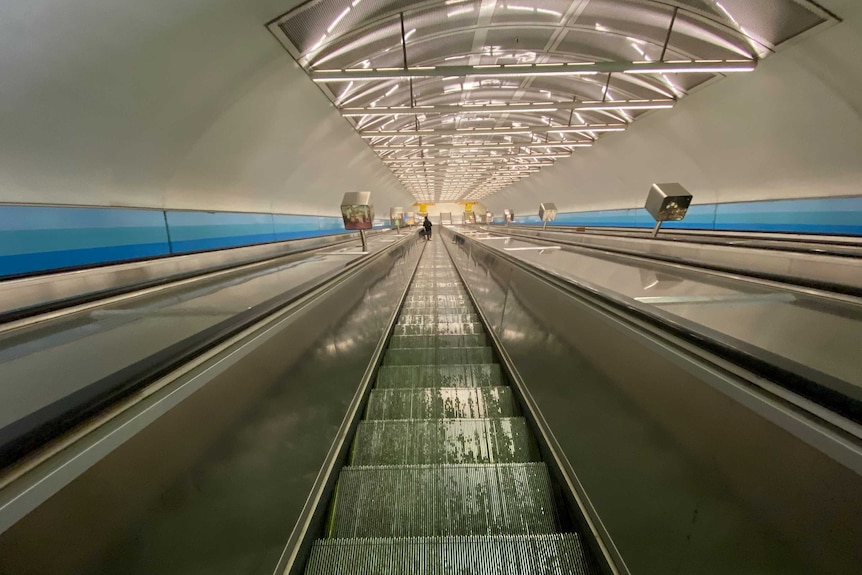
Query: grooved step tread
x=554 y=554
x=433 y=318
x=418 y=309
x=440 y=329
x=407 y=501
x=438 y=356
x=449 y=441
x=436 y=299
x=437 y=340
x=440 y=403
x=412 y=376
x=423 y=293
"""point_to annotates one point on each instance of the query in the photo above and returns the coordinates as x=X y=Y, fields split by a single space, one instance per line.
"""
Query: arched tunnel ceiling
x=462 y=98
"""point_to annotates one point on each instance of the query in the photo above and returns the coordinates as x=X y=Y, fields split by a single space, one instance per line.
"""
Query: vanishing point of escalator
x=444 y=476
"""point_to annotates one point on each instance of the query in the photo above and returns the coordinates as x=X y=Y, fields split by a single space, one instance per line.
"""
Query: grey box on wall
x=668 y=202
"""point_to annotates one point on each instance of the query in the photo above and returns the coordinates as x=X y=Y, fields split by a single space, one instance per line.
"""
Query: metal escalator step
x=451 y=283
x=435 y=291
x=440 y=403
x=417 y=308
x=552 y=554
x=432 y=318
x=412 y=376
x=441 y=340
x=436 y=299
x=440 y=329
x=443 y=441
x=438 y=356
x=410 y=501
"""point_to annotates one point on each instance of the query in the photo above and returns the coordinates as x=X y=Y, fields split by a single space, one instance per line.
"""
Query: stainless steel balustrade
x=799 y=260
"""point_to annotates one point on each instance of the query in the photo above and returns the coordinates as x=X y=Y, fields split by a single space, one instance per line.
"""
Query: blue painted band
x=44 y=238
x=30 y=263
x=833 y=216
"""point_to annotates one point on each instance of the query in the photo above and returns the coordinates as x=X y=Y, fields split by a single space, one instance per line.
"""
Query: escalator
x=444 y=474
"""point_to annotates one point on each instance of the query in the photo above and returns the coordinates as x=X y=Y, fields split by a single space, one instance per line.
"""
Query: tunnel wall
x=168 y=105
x=791 y=129
x=41 y=238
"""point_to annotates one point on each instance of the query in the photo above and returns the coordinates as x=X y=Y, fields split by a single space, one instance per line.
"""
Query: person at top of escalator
x=427 y=225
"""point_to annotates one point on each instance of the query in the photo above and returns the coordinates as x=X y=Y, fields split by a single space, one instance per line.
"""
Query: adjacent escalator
x=444 y=475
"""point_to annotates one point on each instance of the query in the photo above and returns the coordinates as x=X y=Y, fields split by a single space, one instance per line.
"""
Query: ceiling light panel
x=486 y=69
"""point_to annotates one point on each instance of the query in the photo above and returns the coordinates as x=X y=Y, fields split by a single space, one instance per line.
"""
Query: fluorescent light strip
x=571 y=69
x=587 y=128
x=692 y=70
x=439 y=160
x=524 y=131
x=511 y=108
x=337 y=20
x=481 y=147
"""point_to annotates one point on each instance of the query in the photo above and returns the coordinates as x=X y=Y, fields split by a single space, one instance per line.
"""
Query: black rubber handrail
x=836 y=395
x=52 y=421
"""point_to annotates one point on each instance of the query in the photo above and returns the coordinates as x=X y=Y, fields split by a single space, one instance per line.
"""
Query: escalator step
x=556 y=554
x=444 y=300
x=441 y=356
x=450 y=441
x=434 y=318
x=412 y=376
x=423 y=293
x=409 y=501
x=440 y=403
x=414 y=341
x=416 y=309
x=440 y=329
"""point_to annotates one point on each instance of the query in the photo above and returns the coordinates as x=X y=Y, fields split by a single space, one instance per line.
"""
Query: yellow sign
x=468 y=207
x=423 y=208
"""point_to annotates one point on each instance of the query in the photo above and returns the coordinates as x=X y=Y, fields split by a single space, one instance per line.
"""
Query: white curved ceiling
x=462 y=98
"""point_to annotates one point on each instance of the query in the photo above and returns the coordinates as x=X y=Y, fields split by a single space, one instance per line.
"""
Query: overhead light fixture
x=522 y=70
x=587 y=128
x=692 y=67
x=512 y=108
x=337 y=20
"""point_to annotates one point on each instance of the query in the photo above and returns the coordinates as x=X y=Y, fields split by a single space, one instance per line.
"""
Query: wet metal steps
x=408 y=501
x=553 y=554
x=441 y=402
x=419 y=376
x=414 y=441
x=444 y=475
x=438 y=356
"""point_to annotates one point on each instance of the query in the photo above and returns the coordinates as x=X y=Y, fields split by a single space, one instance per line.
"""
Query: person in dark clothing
x=427 y=225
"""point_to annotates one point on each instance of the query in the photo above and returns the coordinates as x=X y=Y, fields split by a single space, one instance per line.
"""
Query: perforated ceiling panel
x=461 y=98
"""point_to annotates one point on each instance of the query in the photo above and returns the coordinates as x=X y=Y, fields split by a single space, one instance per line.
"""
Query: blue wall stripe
x=14 y=217
x=43 y=238
x=841 y=216
x=14 y=242
x=29 y=263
